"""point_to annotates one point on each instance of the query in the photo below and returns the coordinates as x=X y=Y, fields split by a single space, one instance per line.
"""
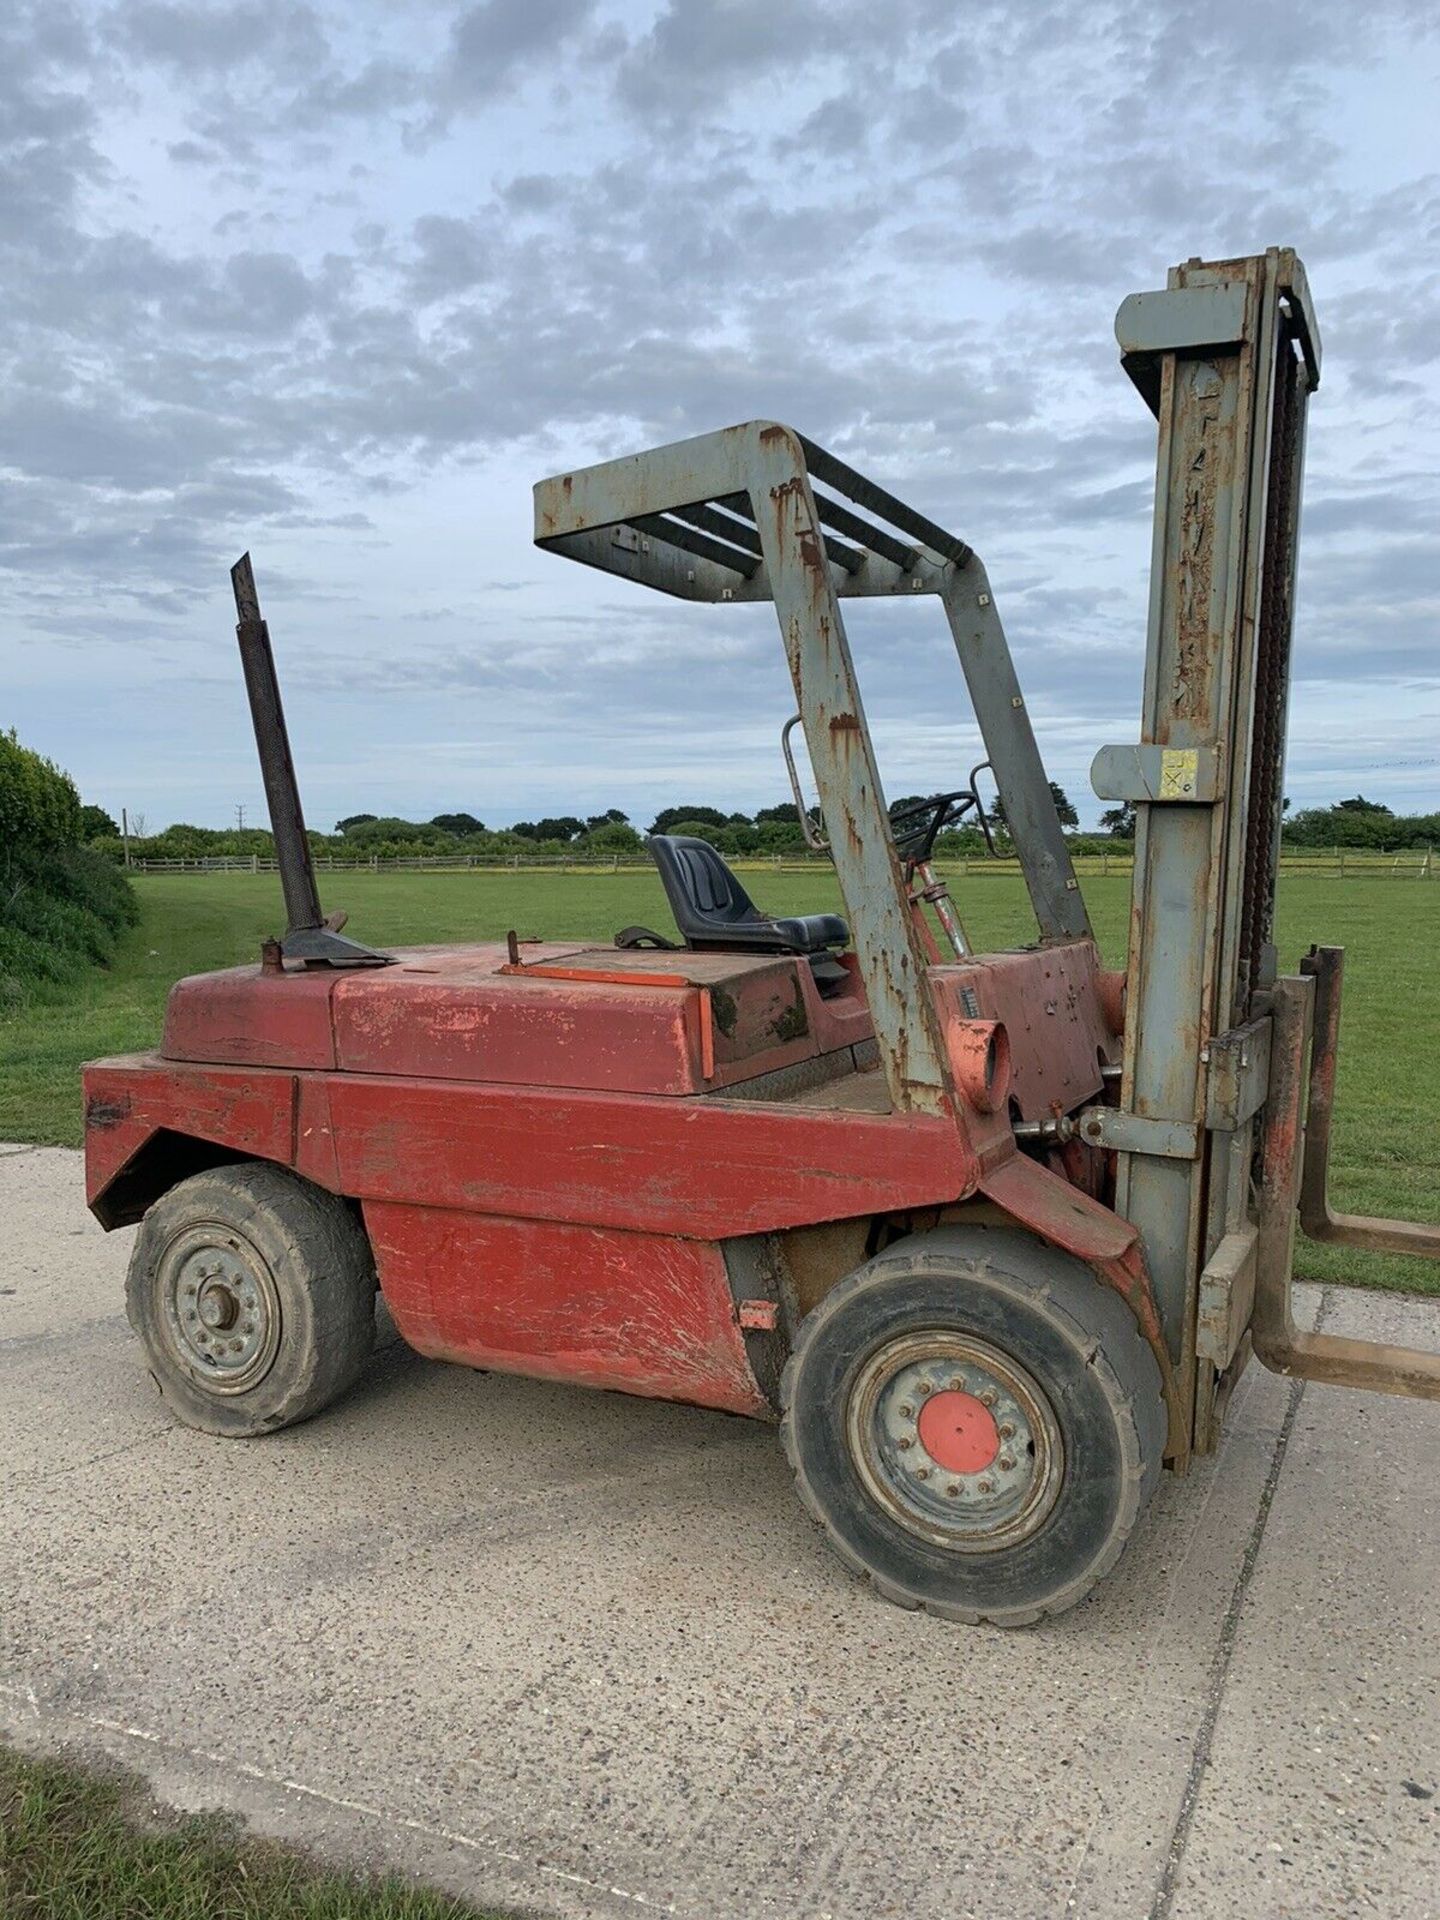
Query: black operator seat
x=712 y=909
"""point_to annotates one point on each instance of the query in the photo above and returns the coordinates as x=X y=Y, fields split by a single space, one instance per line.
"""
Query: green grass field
x=81 y=1845
x=1387 y=1146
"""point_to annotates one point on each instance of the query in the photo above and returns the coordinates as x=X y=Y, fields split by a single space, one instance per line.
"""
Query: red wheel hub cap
x=958 y=1432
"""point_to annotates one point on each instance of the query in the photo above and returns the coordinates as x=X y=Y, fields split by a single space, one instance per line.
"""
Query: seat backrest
x=703 y=893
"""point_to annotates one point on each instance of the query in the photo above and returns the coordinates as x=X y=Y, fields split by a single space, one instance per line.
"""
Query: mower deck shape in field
x=991 y=1235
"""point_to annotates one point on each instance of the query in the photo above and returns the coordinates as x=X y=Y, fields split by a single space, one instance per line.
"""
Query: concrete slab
x=581 y=1655
x=1330 y=1717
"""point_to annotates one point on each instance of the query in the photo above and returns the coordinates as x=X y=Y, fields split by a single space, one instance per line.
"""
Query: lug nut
x=1006 y=1463
x=952 y=1489
x=1007 y=1432
x=957 y=1386
x=907 y=1412
x=927 y=1386
x=922 y=1473
x=987 y=1398
x=987 y=1486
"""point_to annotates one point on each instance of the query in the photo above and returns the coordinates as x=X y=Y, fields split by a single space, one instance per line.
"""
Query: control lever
x=816 y=842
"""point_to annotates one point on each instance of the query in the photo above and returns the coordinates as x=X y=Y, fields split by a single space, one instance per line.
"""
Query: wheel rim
x=955 y=1441
x=219 y=1307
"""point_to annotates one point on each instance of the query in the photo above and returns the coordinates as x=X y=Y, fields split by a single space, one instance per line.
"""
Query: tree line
x=1356 y=823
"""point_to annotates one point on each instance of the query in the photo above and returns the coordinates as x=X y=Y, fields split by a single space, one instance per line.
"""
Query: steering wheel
x=915 y=828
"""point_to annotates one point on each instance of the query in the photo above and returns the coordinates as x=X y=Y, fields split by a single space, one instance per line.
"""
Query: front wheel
x=254 y=1295
x=977 y=1424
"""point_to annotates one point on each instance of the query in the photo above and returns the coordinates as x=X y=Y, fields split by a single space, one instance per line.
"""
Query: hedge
x=61 y=904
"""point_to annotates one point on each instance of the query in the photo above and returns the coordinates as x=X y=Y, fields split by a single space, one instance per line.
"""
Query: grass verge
x=82 y=1845
x=1386 y=1157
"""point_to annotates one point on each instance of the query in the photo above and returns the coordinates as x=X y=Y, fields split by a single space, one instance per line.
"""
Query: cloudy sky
x=338 y=284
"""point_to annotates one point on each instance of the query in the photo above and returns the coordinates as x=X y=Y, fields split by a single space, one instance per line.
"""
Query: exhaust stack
x=310 y=936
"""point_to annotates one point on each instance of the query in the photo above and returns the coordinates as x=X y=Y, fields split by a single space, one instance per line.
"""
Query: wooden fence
x=1338 y=863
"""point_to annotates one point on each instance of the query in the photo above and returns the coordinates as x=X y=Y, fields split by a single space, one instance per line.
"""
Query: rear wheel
x=254 y=1295
x=976 y=1422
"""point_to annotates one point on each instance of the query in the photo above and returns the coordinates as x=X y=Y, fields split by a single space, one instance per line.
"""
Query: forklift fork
x=1295 y=1161
x=1326 y=966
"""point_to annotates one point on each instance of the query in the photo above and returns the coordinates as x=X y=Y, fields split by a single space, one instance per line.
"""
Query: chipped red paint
x=707 y=1036
x=630 y=1311
x=315 y=1155
x=706 y=1168
x=248 y=1017
x=453 y=1038
x=1049 y=1002
x=251 y=1112
x=467 y=1015
x=759 y=1316
x=596 y=976
x=567 y=1016
x=980 y=1061
x=550 y=1155
x=1057 y=1211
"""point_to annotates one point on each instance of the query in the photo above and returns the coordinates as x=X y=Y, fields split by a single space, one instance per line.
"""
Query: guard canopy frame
x=759 y=512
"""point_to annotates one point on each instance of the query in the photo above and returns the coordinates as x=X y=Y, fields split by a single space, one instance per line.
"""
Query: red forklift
x=990 y=1235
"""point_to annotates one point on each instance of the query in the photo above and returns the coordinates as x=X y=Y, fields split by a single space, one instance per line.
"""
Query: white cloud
x=338 y=283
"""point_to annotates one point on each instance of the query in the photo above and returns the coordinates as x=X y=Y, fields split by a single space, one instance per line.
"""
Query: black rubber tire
x=320 y=1266
x=1078 y=1341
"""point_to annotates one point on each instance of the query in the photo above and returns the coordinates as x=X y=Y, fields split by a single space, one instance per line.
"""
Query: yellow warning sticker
x=1178 y=770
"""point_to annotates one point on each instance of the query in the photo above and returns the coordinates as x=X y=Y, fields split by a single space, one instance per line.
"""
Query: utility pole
x=125 y=833
x=240 y=816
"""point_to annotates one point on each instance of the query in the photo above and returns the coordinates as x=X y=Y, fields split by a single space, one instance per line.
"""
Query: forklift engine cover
x=550 y=1156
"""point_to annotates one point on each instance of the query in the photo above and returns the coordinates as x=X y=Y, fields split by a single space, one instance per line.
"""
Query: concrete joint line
x=1162 y=1907
x=87 y=1726
x=82 y=1466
